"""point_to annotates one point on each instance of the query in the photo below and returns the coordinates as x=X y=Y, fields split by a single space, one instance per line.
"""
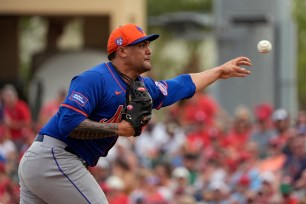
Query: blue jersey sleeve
x=84 y=95
x=167 y=92
x=85 y=92
x=69 y=119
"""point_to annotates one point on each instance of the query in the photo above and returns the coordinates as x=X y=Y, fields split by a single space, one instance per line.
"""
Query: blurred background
x=237 y=142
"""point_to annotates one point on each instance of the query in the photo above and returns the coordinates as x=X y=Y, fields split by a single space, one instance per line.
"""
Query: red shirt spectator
x=50 y=108
x=17 y=115
x=237 y=139
x=115 y=190
x=200 y=106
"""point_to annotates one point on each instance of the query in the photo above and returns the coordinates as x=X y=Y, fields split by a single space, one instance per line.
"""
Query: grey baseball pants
x=50 y=174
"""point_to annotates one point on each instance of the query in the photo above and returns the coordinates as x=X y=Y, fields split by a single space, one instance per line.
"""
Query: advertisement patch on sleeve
x=79 y=98
x=162 y=88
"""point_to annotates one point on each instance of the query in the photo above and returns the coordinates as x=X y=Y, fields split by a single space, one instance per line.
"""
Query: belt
x=40 y=138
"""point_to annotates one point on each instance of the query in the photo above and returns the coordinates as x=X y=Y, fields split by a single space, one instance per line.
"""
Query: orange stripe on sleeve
x=75 y=109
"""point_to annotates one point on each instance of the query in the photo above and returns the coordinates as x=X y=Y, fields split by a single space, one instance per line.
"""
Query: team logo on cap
x=119 y=41
x=139 y=29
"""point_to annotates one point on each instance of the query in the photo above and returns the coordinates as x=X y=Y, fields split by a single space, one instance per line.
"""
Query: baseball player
x=103 y=103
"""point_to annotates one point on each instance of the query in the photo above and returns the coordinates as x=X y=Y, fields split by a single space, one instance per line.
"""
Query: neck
x=125 y=70
x=127 y=77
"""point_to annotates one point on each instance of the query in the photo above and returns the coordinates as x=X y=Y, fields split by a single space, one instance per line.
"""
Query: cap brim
x=148 y=37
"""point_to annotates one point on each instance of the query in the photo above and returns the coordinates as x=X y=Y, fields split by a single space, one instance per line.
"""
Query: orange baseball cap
x=129 y=34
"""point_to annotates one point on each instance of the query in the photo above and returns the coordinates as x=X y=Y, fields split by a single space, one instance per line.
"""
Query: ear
x=121 y=51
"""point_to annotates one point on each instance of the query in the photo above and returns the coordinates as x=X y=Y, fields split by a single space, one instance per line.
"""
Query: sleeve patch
x=79 y=98
x=162 y=88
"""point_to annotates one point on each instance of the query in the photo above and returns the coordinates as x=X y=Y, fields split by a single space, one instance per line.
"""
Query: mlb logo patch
x=162 y=88
x=119 y=41
x=79 y=98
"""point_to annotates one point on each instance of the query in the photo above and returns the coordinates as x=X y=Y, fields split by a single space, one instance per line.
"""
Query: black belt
x=40 y=138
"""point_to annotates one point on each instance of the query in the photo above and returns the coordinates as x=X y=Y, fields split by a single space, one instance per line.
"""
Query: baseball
x=264 y=46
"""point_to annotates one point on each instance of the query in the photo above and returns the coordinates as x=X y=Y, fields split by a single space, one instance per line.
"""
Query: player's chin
x=147 y=65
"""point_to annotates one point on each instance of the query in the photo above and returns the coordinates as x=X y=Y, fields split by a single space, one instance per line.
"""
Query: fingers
x=242 y=58
x=244 y=71
x=241 y=72
x=243 y=61
x=233 y=69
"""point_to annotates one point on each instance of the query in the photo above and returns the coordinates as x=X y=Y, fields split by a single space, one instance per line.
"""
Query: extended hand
x=233 y=68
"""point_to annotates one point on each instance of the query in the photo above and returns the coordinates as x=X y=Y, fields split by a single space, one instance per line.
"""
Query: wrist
x=120 y=129
x=219 y=71
x=125 y=129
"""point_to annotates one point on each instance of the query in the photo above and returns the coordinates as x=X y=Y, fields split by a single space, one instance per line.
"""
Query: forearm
x=89 y=129
x=229 y=69
x=205 y=78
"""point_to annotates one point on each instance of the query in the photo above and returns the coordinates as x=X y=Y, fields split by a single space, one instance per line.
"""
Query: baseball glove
x=138 y=106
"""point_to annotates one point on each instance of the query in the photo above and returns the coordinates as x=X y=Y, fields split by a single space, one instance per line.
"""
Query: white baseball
x=264 y=46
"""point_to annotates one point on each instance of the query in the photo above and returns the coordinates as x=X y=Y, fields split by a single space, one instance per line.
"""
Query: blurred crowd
x=198 y=154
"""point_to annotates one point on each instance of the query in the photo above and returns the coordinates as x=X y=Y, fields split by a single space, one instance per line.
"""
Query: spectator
x=101 y=172
x=300 y=186
x=147 y=189
x=7 y=147
x=8 y=153
x=241 y=189
x=123 y=170
x=287 y=194
x=263 y=130
x=269 y=188
x=146 y=146
x=123 y=151
x=247 y=168
x=212 y=170
x=17 y=115
x=185 y=199
x=181 y=182
x=219 y=192
x=225 y=170
x=275 y=157
x=115 y=193
x=1 y=109
x=202 y=104
x=198 y=137
x=170 y=137
x=301 y=123
x=152 y=193
x=163 y=173
x=190 y=162
x=50 y=108
x=281 y=125
x=138 y=194
x=295 y=163
x=9 y=193
x=240 y=131
x=29 y=135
